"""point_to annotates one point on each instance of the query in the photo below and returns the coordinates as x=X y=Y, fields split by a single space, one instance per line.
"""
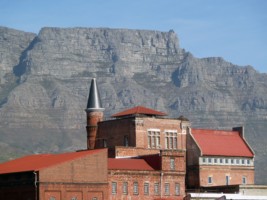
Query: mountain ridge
x=44 y=86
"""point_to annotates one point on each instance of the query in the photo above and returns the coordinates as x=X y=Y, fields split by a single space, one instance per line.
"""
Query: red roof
x=139 y=110
x=221 y=143
x=39 y=161
x=128 y=164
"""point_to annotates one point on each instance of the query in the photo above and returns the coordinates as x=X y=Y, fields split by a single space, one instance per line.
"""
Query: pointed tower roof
x=94 y=101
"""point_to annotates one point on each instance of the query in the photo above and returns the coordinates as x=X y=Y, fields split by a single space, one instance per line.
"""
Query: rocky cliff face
x=45 y=82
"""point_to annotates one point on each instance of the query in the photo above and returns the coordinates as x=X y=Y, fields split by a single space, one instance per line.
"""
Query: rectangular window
x=232 y=161
x=171 y=139
x=149 y=141
x=215 y=160
x=244 y=180
x=210 y=160
x=167 y=189
x=177 y=189
x=125 y=188
x=135 y=188
x=105 y=143
x=166 y=143
x=171 y=142
x=221 y=160
x=175 y=142
x=248 y=162
x=227 y=180
x=210 y=180
x=157 y=141
x=114 y=188
x=94 y=198
x=203 y=160
x=125 y=141
x=243 y=161
x=153 y=139
x=226 y=161
x=172 y=164
x=156 y=189
x=146 y=189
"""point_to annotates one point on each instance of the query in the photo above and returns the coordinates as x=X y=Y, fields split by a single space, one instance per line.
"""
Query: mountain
x=44 y=85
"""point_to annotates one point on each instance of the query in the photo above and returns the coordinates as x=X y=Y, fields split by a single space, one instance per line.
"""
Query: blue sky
x=233 y=29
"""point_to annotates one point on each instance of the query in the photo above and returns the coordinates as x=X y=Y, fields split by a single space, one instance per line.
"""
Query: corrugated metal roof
x=139 y=110
x=221 y=143
x=128 y=164
x=40 y=161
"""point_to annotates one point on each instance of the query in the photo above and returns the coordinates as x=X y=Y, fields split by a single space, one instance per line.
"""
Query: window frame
x=210 y=180
x=177 y=189
x=114 y=188
x=167 y=189
x=146 y=188
x=244 y=180
x=125 y=188
x=156 y=189
x=135 y=188
x=172 y=163
x=227 y=180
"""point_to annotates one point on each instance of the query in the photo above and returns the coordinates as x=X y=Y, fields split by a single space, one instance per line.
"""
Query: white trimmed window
x=227 y=179
x=210 y=180
x=146 y=189
x=177 y=189
x=172 y=163
x=153 y=140
x=244 y=180
x=114 y=188
x=156 y=189
x=171 y=139
x=167 y=189
x=125 y=188
x=135 y=188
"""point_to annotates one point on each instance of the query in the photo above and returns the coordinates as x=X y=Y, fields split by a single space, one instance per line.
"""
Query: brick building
x=137 y=154
x=73 y=176
x=217 y=158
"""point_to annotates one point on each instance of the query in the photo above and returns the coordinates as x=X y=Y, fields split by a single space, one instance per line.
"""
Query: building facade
x=72 y=176
x=217 y=158
x=137 y=154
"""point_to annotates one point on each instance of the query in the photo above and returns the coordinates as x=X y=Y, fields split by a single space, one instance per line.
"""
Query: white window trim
x=237 y=161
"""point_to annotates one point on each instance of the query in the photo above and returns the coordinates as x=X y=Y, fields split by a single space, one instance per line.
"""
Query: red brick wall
x=162 y=125
x=62 y=191
x=114 y=131
x=218 y=174
x=90 y=168
x=142 y=177
x=179 y=158
x=134 y=152
x=136 y=130
x=85 y=176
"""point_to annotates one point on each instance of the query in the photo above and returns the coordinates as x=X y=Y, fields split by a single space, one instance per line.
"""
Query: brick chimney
x=94 y=112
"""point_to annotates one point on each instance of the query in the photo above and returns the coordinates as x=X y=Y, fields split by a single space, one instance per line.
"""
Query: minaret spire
x=94 y=101
x=94 y=113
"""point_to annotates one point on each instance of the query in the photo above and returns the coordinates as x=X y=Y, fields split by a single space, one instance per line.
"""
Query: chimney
x=240 y=130
x=94 y=112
